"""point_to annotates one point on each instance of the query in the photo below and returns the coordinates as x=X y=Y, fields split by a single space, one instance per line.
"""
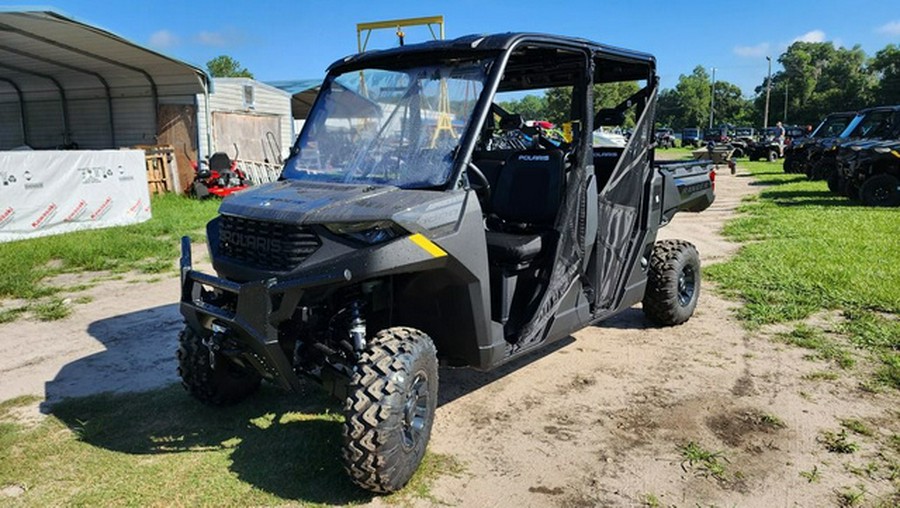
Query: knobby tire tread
x=371 y=457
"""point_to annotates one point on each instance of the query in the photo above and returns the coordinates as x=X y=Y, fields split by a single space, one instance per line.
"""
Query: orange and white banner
x=50 y=192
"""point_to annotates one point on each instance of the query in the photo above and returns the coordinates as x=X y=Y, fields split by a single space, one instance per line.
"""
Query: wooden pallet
x=160 y=160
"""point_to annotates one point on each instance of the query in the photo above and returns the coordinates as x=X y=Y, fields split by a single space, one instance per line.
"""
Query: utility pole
x=712 y=99
x=768 y=91
x=785 y=102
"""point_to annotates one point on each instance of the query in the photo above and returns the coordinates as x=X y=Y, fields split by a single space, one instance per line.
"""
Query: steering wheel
x=482 y=187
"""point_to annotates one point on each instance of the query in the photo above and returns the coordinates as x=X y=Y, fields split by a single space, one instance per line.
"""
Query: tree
x=606 y=95
x=668 y=109
x=223 y=66
x=819 y=79
x=693 y=93
x=531 y=107
x=886 y=67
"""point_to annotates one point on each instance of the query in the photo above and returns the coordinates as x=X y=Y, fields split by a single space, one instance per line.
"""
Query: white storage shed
x=249 y=117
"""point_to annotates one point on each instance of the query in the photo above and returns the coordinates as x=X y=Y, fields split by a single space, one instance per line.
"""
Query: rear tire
x=880 y=190
x=673 y=283
x=390 y=408
x=199 y=190
x=772 y=156
x=834 y=184
x=226 y=384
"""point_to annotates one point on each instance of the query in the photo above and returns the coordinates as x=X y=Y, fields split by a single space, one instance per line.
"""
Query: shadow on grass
x=807 y=198
x=775 y=182
x=283 y=444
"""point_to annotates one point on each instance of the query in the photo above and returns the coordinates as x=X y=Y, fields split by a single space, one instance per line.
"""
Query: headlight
x=367 y=232
x=882 y=149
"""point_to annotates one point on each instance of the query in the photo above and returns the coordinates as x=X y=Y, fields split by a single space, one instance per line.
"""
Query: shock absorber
x=357 y=328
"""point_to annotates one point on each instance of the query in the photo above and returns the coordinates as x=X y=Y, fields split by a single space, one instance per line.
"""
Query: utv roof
x=474 y=44
x=880 y=108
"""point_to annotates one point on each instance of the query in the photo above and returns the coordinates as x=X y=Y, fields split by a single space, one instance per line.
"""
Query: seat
x=511 y=248
x=525 y=202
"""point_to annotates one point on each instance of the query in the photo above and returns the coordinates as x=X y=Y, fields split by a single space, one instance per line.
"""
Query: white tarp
x=50 y=192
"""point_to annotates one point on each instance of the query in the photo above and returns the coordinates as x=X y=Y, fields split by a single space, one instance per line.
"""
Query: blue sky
x=281 y=39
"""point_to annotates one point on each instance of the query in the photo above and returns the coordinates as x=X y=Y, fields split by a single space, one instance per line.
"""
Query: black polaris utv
x=416 y=221
x=869 y=171
x=875 y=124
x=795 y=154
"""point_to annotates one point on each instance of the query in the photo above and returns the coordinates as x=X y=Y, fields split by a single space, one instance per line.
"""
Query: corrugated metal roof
x=295 y=86
x=42 y=50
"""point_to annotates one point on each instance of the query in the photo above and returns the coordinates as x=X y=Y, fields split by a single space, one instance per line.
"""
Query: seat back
x=530 y=187
x=219 y=161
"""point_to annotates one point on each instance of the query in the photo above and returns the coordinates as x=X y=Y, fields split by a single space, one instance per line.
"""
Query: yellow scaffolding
x=367 y=28
x=445 y=117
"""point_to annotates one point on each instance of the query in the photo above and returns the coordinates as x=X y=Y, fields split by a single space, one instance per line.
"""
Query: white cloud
x=163 y=39
x=813 y=36
x=210 y=38
x=760 y=50
x=892 y=28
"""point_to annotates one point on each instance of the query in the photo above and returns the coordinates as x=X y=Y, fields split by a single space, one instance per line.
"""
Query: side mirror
x=609 y=117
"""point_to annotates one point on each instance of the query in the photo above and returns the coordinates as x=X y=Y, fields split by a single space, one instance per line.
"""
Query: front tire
x=772 y=156
x=880 y=190
x=390 y=409
x=226 y=384
x=673 y=283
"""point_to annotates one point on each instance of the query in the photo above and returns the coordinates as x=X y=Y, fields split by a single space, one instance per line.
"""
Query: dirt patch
x=12 y=491
x=735 y=427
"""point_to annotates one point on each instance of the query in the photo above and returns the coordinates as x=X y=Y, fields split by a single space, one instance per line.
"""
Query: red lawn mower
x=218 y=176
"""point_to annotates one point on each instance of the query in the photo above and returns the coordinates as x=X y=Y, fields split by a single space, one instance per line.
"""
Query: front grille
x=266 y=245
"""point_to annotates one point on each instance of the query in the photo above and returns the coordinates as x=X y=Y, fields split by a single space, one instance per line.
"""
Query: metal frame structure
x=51 y=46
x=428 y=21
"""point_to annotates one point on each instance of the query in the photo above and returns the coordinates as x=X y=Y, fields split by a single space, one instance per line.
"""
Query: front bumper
x=253 y=320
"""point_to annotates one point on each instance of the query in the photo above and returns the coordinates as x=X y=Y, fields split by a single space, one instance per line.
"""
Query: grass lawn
x=149 y=247
x=164 y=448
x=807 y=250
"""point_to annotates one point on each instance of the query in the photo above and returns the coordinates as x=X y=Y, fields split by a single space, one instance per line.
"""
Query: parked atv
x=796 y=155
x=741 y=141
x=411 y=242
x=768 y=147
x=718 y=135
x=665 y=138
x=691 y=137
x=217 y=176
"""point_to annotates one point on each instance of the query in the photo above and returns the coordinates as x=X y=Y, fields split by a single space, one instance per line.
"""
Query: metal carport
x=64 y=83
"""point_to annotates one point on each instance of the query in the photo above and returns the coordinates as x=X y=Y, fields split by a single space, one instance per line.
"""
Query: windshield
x=831 y=127
x=870 y=125
x=388 y=127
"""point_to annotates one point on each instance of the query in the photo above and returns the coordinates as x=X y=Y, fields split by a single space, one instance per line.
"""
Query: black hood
x=303 y=202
